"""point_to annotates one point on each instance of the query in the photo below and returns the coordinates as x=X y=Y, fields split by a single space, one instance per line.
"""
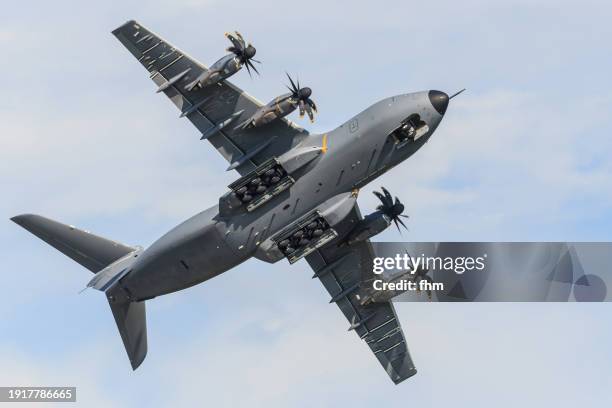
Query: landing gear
x=411 y=129
x=305 y=237
x=259 y=186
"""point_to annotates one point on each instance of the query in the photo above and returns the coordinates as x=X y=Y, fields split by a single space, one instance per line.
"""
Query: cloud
x=524 y=154
x=22 y=370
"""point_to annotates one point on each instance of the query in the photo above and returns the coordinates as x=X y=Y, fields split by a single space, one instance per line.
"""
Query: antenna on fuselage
x=456 y=93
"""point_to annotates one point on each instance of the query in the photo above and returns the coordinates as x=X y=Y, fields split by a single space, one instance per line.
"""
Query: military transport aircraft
x=295 y=197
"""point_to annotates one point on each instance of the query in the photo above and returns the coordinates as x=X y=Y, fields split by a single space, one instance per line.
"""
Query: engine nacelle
x=276 y=109
x=220 y=70
x=372 y=224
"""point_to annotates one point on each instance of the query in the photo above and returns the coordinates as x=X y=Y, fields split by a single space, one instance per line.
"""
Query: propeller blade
x=397 y=225
x=401 y=222
x=236 y=41
x=312 y=104
x=249 y=64
x=381 y=207
x=387 y=195
x=246 y=64
x=301 y=106
x=294 y=88
x=387 y=200
x=309 y=112
x=239 y=36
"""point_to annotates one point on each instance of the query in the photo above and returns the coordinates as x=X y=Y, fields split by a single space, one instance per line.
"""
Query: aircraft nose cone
x=439 y=100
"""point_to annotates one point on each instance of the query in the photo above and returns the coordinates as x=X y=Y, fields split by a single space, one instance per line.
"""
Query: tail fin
x=131 y=319
x=110 y=261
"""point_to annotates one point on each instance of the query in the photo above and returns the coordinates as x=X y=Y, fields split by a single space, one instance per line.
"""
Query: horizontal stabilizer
x=93 y=252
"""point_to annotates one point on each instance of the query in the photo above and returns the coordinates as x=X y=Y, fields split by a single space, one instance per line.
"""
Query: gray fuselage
x=356 y=153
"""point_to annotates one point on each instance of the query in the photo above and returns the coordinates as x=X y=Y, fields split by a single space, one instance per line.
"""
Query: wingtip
x=399 y=379
x=21 y=219
x=118 y=29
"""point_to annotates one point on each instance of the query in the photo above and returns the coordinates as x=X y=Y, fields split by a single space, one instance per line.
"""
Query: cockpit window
x=412 y=128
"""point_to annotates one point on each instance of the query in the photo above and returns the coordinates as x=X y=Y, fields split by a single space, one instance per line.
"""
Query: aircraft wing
x=210 y=107
x=340 y=270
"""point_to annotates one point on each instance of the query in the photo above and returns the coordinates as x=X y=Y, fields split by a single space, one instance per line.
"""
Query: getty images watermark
x=489 y=272
x=404 y=272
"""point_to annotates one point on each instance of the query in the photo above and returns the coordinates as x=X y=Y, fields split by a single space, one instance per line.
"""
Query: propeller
x=245 y=52
x=301 y=96
x=390 y=208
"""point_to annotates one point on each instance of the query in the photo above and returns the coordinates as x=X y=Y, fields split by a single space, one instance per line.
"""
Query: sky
x=523 y=155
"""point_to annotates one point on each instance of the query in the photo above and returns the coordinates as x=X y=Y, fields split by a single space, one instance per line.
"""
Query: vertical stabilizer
x=132 y=324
